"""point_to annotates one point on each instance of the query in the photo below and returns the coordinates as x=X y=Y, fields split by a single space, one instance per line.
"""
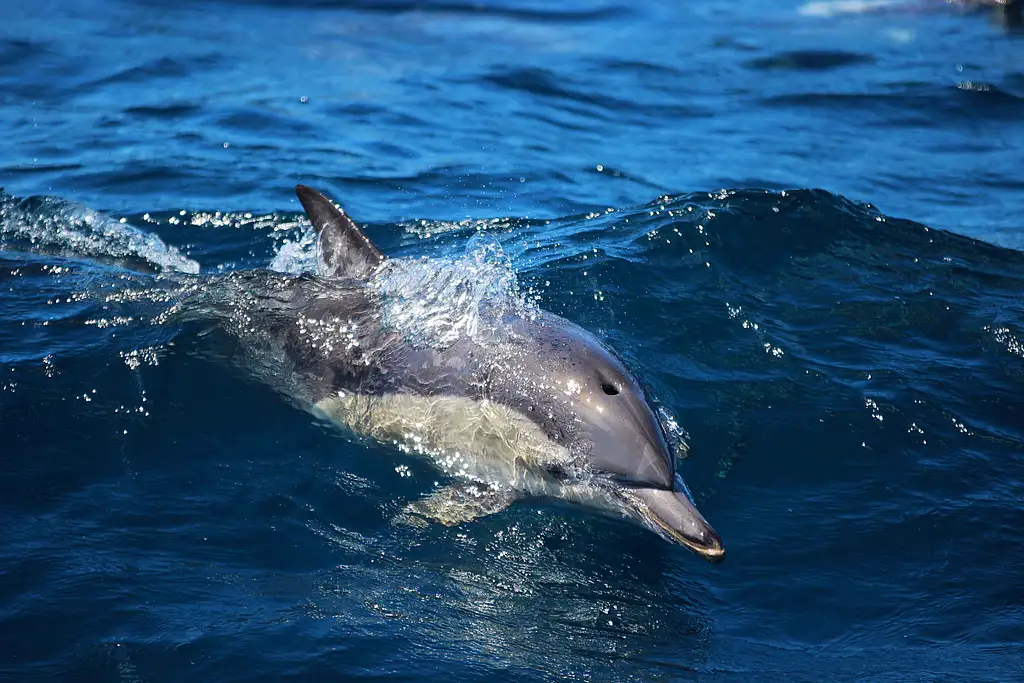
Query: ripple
x=603 y=12
x=164 y=111
x=810 y=60
x=547 y=84
x=164 y=67
x=16 y=53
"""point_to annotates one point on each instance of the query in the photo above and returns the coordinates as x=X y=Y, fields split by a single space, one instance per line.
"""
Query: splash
x=676 y=436
x=433 y=301
x=297 y=256
x=835 y=8
x=48 y=224
x=438 y=301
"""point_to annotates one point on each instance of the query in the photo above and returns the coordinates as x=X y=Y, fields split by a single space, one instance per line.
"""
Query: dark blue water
x=851 y=377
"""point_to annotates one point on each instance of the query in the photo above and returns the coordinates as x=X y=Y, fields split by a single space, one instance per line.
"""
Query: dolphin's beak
x=673 y=516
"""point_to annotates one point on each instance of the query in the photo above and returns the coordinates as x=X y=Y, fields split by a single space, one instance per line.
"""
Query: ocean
x=800 y=223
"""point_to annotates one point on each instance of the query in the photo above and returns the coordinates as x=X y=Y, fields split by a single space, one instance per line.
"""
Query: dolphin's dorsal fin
x=346 y=251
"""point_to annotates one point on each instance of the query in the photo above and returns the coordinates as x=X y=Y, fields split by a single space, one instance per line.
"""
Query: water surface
x=840 y=330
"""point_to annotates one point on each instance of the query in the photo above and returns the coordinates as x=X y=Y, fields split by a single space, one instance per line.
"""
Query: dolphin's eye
x=609 y=388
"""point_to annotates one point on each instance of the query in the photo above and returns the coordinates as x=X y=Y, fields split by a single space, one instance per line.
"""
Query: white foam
x=53 y=223
x=438 y=301
x=838 y=7
x=297 y=256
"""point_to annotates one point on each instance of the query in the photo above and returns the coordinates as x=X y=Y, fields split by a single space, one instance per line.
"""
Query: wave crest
x=51 y=225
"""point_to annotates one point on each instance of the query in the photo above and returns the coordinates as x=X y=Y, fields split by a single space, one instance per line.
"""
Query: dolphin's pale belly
x=483 y=443
x=480 y=441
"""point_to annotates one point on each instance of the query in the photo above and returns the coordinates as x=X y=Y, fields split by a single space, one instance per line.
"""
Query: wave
x=55 y=226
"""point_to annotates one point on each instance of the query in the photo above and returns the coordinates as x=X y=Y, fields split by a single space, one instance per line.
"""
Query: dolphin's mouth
x=672 y=516
x=713 y=551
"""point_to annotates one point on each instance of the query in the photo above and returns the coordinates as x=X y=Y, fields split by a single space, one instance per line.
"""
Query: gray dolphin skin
x=529 y=405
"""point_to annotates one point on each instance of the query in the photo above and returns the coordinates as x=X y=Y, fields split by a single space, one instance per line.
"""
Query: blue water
x=801 y=226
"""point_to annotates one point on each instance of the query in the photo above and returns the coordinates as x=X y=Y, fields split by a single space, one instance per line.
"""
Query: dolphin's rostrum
x=523 y=404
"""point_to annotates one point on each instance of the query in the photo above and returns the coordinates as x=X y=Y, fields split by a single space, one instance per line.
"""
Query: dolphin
x=527 y=405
